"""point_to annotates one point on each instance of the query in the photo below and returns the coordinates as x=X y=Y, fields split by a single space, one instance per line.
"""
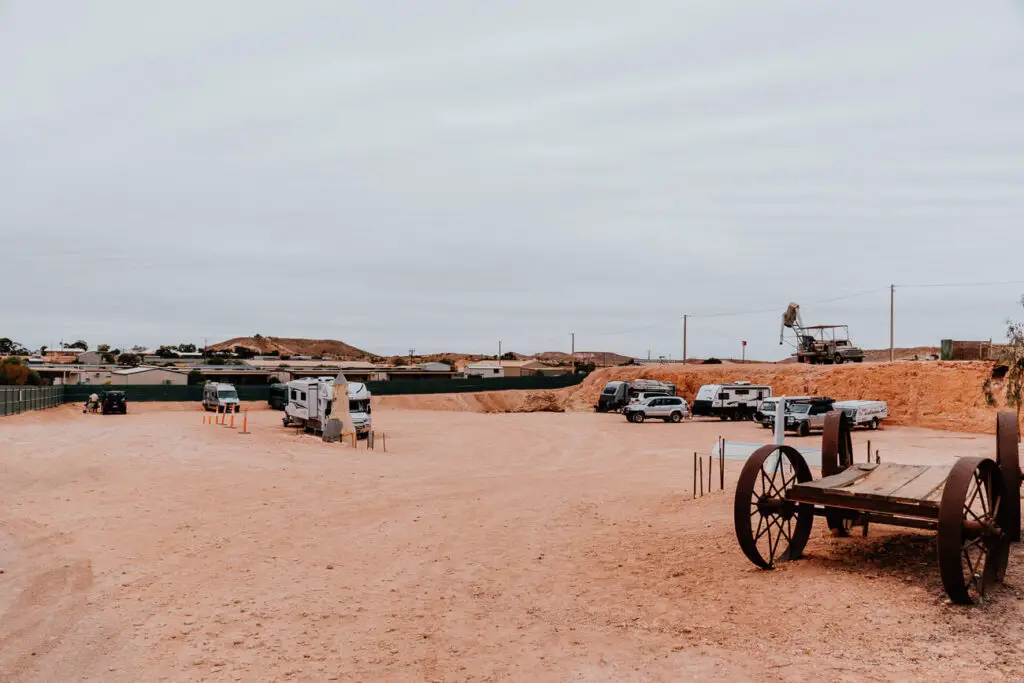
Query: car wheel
x=874 y=423
x=676 y=417
x=804 y=429
x=839 y=360
x=638 y=417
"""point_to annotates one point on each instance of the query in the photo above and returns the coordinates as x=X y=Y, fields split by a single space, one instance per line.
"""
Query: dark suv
x=115 y=402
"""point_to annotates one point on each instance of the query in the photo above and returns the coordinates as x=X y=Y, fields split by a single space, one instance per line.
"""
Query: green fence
x=14 y=400
x=78 y=393
x=470 y=385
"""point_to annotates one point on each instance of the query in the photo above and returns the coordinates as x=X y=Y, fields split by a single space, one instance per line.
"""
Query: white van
x=220 y=397
x=864 y=413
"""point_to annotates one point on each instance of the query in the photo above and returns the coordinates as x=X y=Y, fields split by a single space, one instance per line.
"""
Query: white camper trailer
x=309 y=404
x=738 y=401
x=864 y=413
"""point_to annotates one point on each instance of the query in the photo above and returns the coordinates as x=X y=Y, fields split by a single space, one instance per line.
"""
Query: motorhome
x=220 y=397
x=310 y=399
x=617 y=395
x=864 y=413
x=737 y=401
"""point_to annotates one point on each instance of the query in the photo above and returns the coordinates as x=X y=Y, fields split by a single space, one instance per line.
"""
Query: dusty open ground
x=538 y=546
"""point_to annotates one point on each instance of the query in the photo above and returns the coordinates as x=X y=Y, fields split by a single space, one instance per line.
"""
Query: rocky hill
x=289 y=346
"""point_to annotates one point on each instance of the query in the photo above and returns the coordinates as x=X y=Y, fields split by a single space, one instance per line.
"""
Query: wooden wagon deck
x=905 y=490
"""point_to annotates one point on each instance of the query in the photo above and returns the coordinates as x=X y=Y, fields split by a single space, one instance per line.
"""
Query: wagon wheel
x=769 y=527
x=973 y=548
x=836 y=456
x=1008 y=459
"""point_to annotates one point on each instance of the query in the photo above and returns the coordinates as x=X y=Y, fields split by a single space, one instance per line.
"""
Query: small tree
x=10 y=347
x=187 y=348
x=109 y=358
x=585 y=367
x=1014 y=358
x=195 y=377
x=166 y=352
x=400 y=362
x=80 y=344
x=508 y=355
x=128 y=359
x=103 y=348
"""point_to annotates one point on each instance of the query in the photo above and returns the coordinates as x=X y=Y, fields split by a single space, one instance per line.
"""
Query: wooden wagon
x=974 y=505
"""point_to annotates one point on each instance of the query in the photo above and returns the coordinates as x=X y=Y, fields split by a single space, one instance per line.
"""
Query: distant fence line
x=14 y=400
x=78 y=393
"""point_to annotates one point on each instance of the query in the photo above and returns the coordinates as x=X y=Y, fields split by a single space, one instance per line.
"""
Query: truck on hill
x=819 y=343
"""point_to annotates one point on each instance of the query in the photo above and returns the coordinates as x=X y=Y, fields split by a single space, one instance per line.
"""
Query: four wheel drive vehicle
x=766 y=411
x=738 y=401
x=220 y=397
x=278 y=396
x=864 y=413
x=114 y=402
x=803 y=416
x=617 y=395
x=667 y=408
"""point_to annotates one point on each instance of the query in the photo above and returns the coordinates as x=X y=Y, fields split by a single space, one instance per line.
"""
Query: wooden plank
x=886 y=478
x=924 y=485
x=841 y=480
x=839 y=498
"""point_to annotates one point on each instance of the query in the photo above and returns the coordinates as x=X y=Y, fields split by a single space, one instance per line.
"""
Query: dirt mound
x=600 y=358
x=288 y=346
x=935 y=395
x=481 y=402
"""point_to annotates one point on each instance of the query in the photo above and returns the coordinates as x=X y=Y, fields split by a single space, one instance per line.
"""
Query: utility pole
x=892 y=323
x=684 y=338
x=573 y=335
x=743 y=358
x=499 y=353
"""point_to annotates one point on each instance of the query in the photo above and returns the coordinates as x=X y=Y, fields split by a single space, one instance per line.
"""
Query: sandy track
x=481 y=547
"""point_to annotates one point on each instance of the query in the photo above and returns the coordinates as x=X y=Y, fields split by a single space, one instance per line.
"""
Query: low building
x=505 y=368
x=145 y=374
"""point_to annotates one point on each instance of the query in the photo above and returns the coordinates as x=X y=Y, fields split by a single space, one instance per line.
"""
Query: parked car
x=766 y=410
x=114 y=402
x=220 y=397
x=667 y=408
x=617 y=395
x=804 y=416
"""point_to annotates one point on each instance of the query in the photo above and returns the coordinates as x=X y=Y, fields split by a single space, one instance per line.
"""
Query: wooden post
x=701 y=462
x=869 y=450
x=878 y=458
x=721 y=469
x=709 y=473
x=695 y=475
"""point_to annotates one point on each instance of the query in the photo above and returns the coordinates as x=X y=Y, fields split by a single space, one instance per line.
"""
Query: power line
x=962 y=284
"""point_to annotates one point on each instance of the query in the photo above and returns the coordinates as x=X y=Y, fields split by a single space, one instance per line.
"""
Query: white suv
x=667 y=408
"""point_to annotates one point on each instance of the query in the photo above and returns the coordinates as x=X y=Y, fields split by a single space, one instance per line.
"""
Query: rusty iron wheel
x=972 y=545
x=770 y=528
x=1008 y=459
x=836 y=456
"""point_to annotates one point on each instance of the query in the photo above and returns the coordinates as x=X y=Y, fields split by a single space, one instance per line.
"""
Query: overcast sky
x=444 y=174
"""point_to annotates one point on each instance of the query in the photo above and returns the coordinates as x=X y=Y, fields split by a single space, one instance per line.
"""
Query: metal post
x=685 y=316
x=780 y=422
x=573 y=335
x=701 y=463
x=869 y=450
x=695 y=474
x=892 y=323
x=721 y=469
x=709 y=472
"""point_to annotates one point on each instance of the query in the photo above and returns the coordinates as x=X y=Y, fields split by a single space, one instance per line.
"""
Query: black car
x=114 y=402
x=278 y=396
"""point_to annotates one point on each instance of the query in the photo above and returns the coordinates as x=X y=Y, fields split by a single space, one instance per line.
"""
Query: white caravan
x=309 y=404
x=737 y=401
x=864 y=413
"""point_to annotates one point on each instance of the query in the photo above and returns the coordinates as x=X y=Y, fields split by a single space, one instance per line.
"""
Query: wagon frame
x=974 y=505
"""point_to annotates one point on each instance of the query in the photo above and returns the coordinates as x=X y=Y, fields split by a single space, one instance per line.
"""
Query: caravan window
x=302 y=395
x=742 y=392
x=295 y=394
x=724 y=396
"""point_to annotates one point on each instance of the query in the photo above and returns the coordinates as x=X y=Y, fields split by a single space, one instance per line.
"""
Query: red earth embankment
x=934 y=395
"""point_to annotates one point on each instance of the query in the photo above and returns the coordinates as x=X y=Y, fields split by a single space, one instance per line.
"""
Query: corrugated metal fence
x=78 y=393
x=14 y=400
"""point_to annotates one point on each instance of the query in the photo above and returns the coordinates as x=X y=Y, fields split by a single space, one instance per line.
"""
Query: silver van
x=220 y=397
